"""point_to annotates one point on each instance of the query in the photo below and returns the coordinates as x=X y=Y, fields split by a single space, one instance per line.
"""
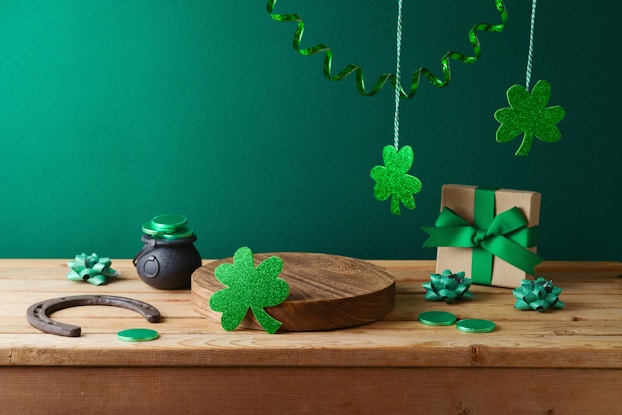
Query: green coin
x=183 y=232
x=137 y=335
x=169 y=222
x=149 y=229
x=471 y=325
x=437 y=318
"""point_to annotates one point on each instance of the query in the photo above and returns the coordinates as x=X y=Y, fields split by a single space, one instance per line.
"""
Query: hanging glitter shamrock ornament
x=528 y=114
x=249 y=287
x=392 y=178
x=447 y=287
x=539 y=295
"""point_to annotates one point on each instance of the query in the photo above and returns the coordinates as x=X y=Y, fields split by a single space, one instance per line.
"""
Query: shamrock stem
x=266 y=321
x=525 y=146
x=395 y=205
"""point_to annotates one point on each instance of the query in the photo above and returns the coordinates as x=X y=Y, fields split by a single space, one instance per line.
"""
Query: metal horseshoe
x=38 y=314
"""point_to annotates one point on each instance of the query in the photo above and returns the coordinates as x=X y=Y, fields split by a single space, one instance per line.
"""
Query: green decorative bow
x=91 y=268
x=505 y=236
x=447 y=287
x=539 y=295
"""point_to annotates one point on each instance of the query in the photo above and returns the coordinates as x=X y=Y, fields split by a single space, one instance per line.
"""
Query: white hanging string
x=530 y=55
x=396 y=119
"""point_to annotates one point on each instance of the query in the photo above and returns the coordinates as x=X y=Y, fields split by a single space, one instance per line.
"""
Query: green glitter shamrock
x=249 y=287
x=539 y=295
x=447 y=287
x=528 y=114
x=91 y=268
x=393 y=180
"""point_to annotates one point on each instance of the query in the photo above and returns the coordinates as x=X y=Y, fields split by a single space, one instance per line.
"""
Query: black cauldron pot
x=167 y=264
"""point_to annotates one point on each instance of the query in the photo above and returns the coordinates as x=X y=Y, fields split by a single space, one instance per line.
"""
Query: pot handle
x=149 y=246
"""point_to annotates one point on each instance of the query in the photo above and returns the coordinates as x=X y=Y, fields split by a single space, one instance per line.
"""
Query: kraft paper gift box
x=519 y=241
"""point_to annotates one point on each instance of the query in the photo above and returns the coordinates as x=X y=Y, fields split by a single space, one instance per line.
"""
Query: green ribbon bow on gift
x=505 y=236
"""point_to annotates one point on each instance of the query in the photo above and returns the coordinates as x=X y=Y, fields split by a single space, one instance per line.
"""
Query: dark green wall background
x=114 y=111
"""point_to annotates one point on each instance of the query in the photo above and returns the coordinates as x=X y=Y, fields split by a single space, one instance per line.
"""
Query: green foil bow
x=447 y=287
x=91 y=268
x=505 y=236
x=539 y=295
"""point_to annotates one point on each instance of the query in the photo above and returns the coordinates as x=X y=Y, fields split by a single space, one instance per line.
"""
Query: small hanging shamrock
x=393 y=180
x=91 y=268
x=539 y=295
x=528 y=114
x=249 y=287
x=447 y=287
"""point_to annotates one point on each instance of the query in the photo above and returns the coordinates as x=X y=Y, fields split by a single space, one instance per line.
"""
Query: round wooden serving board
x=325 y=292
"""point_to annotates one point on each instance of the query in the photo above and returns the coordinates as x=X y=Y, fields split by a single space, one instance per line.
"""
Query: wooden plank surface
x=293 y=391
x=567 y=361
x=586 y=334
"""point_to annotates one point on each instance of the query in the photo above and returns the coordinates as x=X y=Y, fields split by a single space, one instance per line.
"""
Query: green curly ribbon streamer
x=383 y=78
x=538 y=295
x=91 y=268
x=447 y=287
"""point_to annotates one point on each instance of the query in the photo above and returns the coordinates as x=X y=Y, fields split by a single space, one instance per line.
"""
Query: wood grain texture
x=565 y=361
x=309 y=391
x=325 y=292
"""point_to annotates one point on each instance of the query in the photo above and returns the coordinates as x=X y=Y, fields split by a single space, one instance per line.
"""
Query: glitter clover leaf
x=539 y=295
x=447 y=287
x=528 y=114
x=249 y=288
x=391 y=179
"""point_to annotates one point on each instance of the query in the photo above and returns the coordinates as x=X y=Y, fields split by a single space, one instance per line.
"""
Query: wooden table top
x=585 y=334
